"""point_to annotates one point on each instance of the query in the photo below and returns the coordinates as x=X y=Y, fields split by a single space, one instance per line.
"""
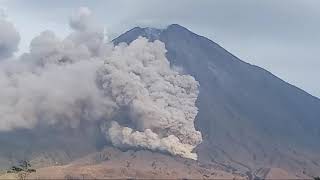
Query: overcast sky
x=281 y=36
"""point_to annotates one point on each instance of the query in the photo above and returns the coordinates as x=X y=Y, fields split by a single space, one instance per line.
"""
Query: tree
x=22 y=169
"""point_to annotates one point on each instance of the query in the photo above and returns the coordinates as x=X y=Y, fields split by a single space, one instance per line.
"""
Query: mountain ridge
x=118 y=39
x=242 y=106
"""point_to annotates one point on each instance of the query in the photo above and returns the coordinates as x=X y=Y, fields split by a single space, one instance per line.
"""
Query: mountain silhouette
x=249 y=118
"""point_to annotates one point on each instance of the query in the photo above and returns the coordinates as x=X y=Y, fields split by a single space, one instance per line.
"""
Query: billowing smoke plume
x=9 y=37
x=160 y=103
x=130 y=90
x=127 y=137
x=81 y=19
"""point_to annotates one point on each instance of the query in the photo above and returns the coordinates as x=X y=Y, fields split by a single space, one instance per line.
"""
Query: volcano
x=248 y=117
x=252 y=123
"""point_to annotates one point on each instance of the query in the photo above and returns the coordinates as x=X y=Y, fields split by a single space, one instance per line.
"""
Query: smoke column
x=139 y=101
x=9 y=37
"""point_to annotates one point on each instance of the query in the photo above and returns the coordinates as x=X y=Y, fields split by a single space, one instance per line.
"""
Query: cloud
x=125 y=137
x=80 y=19
x=9 y=38
x=128 y=90
x=152 y=98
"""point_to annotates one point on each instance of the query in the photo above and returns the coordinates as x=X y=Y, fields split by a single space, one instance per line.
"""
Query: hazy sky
x=281 y=36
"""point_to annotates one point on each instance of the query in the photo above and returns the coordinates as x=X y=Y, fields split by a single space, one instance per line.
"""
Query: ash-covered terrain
x=112 y=163
x=170 y=103
x=249 y=118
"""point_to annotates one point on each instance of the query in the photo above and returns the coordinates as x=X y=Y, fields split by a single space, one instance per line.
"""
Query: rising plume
x=131 y=91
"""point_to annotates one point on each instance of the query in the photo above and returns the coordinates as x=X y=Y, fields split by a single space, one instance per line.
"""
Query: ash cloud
x=139 y=101
x=81 y=19
x=9 y=37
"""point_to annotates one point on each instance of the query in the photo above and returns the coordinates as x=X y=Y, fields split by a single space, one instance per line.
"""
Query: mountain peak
x=177 y=27
x=148 y=32
x=237 y=99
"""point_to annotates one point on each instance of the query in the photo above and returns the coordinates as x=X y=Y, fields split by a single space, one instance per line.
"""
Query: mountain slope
x=249 y=118
x=112 y=163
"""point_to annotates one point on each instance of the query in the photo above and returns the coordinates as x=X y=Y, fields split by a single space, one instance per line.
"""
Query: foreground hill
x=112 y=163
x=249 y=118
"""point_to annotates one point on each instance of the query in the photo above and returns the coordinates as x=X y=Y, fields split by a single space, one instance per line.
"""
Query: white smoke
x=9 y=37
x=126 y=137
x=81 y=19
x=139 y=78
x=131 y=89
x=54 y=83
